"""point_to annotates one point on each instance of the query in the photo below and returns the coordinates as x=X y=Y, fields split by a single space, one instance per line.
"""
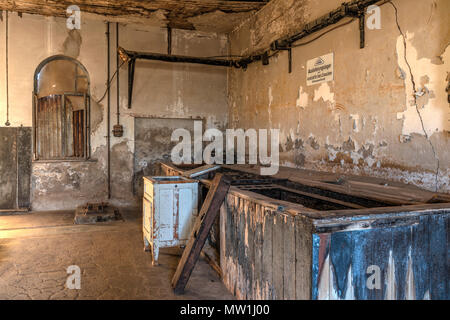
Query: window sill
x=66 y=160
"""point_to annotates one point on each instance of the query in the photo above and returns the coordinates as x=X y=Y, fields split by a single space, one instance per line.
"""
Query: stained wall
x=386 y=113
x=161 y=91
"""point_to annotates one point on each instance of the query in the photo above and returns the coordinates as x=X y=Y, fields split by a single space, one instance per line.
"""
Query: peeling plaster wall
x=32 y=38
x=363 y=122
x=152 y=145
x=161 y=91
x=165 y=91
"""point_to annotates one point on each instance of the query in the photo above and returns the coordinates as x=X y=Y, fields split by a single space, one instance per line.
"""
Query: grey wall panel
x=15 y=167
x=8 y=168
x=24 y=156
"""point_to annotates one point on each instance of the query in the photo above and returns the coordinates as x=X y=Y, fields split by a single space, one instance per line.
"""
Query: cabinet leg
x=155 y=254
x=146 y=245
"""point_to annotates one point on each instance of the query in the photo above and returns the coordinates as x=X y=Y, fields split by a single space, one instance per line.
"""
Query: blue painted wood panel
x=416 y=256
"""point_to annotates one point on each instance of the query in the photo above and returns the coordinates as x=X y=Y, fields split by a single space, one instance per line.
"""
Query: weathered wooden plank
x=257 y=278
x=320 y=271
x=228 y=252
x=250 y=248
x=200 y=171
x=175 y=12
x=129 y=7
x=223 y=238
x=267 y=254
x=303 y=262
x=328 y=199
x=374 y=189
x=343 y=216
x=236 y=241
x=420 y=250
x=278 y=256
x=289 y=258
x=366 y=254
x=340 y=262
x=241 y=258
x=439 y=244
x=204 y=222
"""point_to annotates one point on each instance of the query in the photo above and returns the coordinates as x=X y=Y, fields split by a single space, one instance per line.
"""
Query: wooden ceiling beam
x=181 y=14
x=133 y=8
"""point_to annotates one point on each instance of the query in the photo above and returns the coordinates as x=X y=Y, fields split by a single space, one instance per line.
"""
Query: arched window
x=61 y=110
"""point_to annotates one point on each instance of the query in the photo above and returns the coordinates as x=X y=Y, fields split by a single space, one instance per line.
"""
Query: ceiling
x=204 y=15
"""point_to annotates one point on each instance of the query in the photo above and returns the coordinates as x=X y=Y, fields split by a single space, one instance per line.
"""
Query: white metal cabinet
x=170 y=207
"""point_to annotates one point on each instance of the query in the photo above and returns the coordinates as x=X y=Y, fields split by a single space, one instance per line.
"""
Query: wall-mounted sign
x=320 y=69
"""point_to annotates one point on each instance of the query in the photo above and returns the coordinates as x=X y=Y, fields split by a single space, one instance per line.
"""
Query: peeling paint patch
x=270 y=97
x=355 y=122
x=302 y=100
x=324 y=93
x=270 y=106
x=433 y=107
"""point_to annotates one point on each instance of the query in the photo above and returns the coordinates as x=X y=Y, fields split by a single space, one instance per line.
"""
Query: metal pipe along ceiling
x=354 y=9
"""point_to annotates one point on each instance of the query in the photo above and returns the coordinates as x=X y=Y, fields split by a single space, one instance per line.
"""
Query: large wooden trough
x=309 y=235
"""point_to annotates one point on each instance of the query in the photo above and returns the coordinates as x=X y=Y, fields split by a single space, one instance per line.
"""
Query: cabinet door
x=166 y=214
x=187 y=211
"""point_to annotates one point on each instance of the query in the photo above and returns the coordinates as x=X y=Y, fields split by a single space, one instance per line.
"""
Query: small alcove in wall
x=61 y=110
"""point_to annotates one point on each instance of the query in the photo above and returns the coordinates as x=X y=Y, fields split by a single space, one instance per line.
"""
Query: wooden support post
x=205 y=220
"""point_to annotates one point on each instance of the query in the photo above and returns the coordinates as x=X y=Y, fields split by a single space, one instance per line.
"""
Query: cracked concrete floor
x=36 y=249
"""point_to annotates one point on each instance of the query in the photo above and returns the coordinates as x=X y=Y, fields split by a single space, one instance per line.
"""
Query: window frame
x=87 y=110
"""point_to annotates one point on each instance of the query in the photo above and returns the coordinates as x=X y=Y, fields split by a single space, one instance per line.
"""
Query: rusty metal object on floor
x=96 y=212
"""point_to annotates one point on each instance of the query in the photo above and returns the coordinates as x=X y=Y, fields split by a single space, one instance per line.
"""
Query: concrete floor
x=36 y=249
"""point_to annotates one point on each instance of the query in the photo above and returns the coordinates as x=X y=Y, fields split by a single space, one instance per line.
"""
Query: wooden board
x=303 y=261
x=278 y=256
x=267 y=254
x=289 y=257
x=200 y=171
x=394 y=193
x=203 y=224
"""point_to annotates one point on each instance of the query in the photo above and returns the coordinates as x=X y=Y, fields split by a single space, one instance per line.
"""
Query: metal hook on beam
x=362 y=30
x=277 y=47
